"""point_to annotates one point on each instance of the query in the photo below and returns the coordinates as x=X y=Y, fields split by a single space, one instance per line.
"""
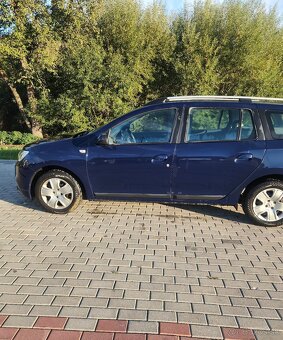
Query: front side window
x=275 y=121
x=216 y=124
x=151 y=127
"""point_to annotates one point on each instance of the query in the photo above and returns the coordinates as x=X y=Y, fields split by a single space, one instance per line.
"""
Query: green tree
x=28 y=49
x=72 y=65
x=108 y=61
x=233 y=48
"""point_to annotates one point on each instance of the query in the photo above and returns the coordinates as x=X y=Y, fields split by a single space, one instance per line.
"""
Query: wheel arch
x=259 y=180
x=49 y=168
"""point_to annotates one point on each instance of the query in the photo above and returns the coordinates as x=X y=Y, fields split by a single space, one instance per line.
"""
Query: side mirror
x=102 y=139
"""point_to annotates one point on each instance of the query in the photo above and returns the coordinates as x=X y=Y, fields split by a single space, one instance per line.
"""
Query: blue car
x=203 y=149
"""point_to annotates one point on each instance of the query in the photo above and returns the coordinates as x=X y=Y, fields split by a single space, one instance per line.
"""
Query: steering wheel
x=127 y=135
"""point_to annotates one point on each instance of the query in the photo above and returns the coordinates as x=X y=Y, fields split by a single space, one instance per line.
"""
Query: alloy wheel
x=57 y=193
x=268 y=205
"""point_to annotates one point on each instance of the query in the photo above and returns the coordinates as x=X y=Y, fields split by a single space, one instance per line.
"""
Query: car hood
x=78 y=140
x=44 y=142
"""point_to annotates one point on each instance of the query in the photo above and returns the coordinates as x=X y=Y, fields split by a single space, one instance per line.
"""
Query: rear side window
x=216 y=124
x=275 y=121
x=247 y=131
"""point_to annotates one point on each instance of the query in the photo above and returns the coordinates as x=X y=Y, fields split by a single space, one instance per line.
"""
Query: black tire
x=249 y=200
x=71 y=199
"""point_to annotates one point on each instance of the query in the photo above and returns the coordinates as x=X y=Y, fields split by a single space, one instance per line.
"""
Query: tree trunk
x=17 y=98
x=36 y=127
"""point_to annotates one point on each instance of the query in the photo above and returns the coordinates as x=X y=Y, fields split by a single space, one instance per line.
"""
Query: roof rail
x=156 y=101
x=223 y=98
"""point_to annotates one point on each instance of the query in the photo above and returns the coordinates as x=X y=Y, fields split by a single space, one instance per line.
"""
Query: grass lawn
x=10 y=151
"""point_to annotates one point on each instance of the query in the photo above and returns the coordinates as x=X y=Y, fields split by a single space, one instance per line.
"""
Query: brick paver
x=205 y=266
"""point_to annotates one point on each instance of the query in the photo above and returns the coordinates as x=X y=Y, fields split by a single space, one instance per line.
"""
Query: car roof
x=264 y=102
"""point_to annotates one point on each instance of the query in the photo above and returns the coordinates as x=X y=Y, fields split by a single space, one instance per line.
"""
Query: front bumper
x=24 y=176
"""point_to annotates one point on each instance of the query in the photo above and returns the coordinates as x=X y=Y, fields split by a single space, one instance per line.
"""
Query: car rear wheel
x=58 y=192
x=264 y=203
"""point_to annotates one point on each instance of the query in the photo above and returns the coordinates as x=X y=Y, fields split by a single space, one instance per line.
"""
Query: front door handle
x=244 y=157
x=159 y=159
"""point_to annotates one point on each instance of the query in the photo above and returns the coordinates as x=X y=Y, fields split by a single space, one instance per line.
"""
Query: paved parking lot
x=145 y=264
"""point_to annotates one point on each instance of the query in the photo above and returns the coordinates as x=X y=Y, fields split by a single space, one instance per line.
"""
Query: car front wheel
x=58 y=192
x=264 y=203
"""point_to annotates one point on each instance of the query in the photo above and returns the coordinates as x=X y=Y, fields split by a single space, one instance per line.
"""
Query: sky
x=174 y=5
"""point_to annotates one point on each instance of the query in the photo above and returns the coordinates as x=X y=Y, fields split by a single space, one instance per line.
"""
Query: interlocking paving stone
x=32 y=334
x=2 y=319
x=237 y=334
x=103 y=313
x=192 y=318
x=276 y=325
x=8 y=333
x=50 y=322
x=128 y=314
x=19 y=321
x=65 y=335
x=81 y=324
x=118 y=326
x=237 y=311
x=268 y=335
x=16 y=310
x=80 y=312
x=162 y=316
x=252 y=323
x=177 y=306
x=144 y=258
x=66 y=301
x=97 y=336
x=94 y=302
x=149 y=305
x=222 y=320
x=44 y=311
x=39 y=300
x=143 y=327
x=163 y=337
x=206 y=331
x=10 y=298
x=130 y=336
x=168 y=328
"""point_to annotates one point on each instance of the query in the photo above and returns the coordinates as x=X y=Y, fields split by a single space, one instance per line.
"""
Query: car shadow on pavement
x=15 y=198
x=19 y=200
x=214 y=211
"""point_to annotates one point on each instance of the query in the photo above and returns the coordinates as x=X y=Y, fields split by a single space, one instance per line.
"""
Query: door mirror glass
x=102 y=139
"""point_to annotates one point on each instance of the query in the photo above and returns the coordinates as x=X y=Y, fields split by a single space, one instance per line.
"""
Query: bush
x=16 y=138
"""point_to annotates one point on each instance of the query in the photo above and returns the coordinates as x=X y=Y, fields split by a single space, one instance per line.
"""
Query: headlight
x=22 y=155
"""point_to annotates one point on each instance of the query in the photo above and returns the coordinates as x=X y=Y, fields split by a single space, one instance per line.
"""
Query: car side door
x=136 y=160
x=218 y=151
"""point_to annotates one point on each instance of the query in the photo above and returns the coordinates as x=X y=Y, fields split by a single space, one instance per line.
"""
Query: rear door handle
x=159 y=159
x=244 y=157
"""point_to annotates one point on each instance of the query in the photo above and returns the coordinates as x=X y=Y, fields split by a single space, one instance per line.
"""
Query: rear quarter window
x=275 y=122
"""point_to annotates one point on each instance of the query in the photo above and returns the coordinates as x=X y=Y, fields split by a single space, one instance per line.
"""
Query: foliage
x=16 y=138
x=75 y=65
x=10 y=153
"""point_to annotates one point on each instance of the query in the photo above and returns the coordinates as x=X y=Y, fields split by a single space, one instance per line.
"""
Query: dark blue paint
x=215 y=168
x=173 y=169
x=130 y=168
